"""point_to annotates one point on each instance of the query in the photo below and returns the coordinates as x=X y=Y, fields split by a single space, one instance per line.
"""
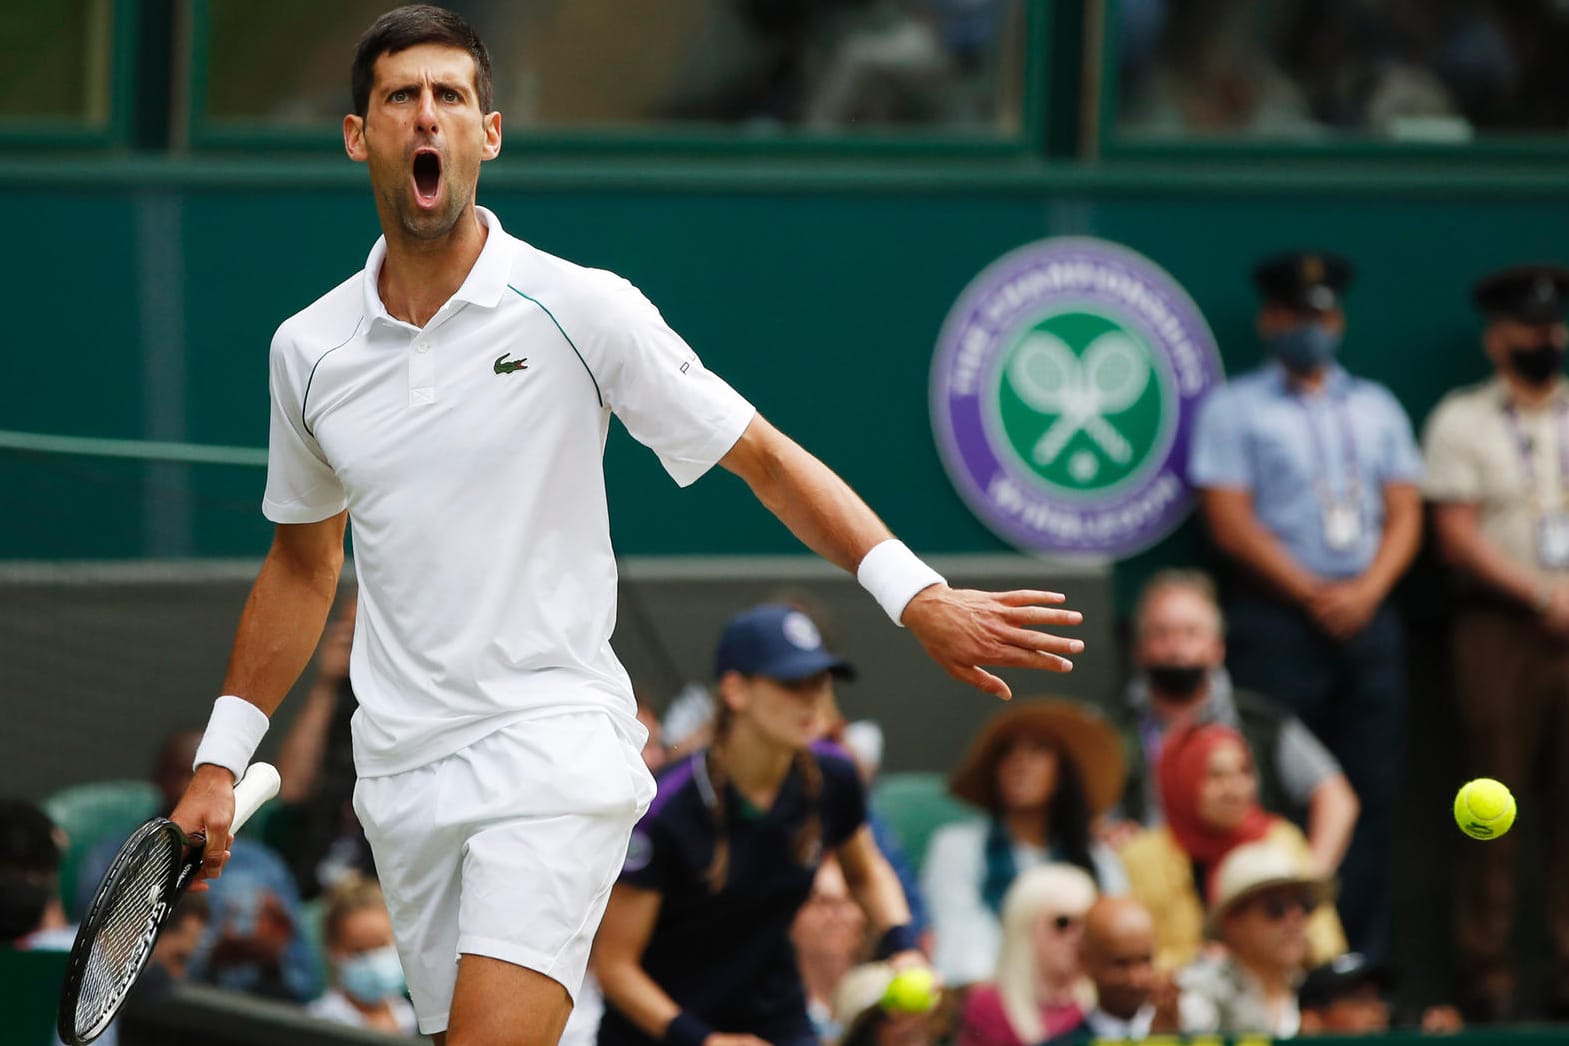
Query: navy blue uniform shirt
x=726 y=957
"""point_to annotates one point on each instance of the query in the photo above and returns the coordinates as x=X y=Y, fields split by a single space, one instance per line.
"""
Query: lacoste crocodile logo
x=506 y=366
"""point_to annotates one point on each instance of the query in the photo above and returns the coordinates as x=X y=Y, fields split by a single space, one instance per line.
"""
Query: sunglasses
x=1277 y=906
x=1064 y=923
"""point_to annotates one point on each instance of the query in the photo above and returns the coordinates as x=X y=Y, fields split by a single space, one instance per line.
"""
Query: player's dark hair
x=808 y=843
x=410 y=26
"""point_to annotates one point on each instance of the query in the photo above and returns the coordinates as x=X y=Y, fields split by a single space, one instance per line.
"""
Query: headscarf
x=1184 y=763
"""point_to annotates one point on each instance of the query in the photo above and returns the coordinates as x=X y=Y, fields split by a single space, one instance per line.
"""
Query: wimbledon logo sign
x=1063 y=390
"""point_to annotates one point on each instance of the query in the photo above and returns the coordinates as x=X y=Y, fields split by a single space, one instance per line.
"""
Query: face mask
x=374 y=976
x=1304 y=348
x=1538 y=364
x=1177 y=680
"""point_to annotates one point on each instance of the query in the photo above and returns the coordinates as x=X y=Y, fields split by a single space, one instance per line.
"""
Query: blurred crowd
x=1205 y=852
x=1415 y=69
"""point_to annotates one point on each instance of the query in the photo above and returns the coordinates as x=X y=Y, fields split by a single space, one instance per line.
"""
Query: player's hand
x=207 y=808
x=963 y=629
x=1343 y=608
x=720 y=1038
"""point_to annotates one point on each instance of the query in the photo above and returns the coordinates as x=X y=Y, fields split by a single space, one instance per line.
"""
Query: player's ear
x=354 y=138
x=492 y=136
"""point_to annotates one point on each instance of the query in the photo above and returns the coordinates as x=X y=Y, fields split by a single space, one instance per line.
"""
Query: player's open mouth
x=427 y=177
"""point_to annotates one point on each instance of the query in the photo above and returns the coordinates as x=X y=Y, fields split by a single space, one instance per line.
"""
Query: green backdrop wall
x=143 y=294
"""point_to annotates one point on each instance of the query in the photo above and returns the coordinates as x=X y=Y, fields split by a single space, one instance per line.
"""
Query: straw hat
x=1255 y=867
x=1077 y=730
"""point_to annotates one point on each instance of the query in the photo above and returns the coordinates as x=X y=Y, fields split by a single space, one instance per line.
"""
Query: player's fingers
x=1033 y=657
x=1039 y=615
x=982 y=680
x=1028 y=596
x=1028 y=639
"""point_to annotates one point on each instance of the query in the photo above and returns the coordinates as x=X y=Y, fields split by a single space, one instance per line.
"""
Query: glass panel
x=1315 y=70
x=54 y=61
x=765 y=66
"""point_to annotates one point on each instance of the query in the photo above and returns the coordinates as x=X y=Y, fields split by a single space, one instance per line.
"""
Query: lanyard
x=1528 y=459
x=1348 y=451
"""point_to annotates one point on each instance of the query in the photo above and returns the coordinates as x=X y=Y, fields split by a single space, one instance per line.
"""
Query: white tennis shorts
x=506 y=849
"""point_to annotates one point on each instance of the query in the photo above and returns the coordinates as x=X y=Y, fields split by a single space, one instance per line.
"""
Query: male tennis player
x=453 y=399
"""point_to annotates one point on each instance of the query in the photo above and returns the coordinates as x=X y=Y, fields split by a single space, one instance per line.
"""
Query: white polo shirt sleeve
x=650 y=378
x=301 y=485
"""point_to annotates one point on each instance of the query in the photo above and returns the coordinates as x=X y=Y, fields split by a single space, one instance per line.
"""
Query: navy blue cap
x=1312 y=281
x=776 y=641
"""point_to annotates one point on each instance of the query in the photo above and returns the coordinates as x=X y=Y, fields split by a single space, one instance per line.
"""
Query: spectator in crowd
x=654 y=754
x=859 y=1009
x=1039 y=990
x=863 y=739
x=695 y=941
x=1210 y=793
x=1308 y=482
x=1349 y=996
x=588 y=1006
x=1260 y=906
x=1042 y=771
x=829 y=936
x=177 y=945
x=1498 y=475
x=316 y=762
x=368 y=990
x=254 y=943
x=1179 y=652
x=32 y=915
x=1132 y=999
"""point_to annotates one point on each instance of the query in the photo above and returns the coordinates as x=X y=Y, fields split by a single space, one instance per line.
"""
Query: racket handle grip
x=260 y=783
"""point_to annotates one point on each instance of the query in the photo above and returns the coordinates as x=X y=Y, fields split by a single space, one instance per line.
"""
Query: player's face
x=423 y=137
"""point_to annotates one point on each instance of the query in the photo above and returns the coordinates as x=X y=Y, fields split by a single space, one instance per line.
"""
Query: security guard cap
x=1528 y=293
x=1312 y=281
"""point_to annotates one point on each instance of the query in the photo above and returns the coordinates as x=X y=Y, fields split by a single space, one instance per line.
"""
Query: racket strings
x=121 y=944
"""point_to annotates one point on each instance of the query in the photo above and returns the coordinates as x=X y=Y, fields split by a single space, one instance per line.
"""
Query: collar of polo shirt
x=486 y=281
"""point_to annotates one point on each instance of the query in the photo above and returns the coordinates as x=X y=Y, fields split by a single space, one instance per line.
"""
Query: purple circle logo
x=1063 y=389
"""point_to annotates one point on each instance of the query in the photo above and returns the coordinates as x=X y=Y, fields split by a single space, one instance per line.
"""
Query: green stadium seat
x=29 y=992
x=88 y=812
x=916 y=805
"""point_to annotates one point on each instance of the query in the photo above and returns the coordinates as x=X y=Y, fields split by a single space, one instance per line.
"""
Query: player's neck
x=418 y=277
x=756 y=766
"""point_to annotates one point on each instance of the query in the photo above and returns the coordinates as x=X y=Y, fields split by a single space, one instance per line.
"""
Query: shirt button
x=420 y=346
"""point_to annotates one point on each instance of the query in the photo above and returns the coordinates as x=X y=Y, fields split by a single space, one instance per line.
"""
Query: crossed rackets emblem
x=1109 y=379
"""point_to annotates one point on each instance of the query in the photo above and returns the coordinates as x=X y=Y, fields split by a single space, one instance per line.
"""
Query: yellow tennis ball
x=913 y=991
x=1484 y=809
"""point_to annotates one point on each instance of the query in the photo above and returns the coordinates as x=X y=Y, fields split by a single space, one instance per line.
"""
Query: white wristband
x=234 y=730
x=894 y=575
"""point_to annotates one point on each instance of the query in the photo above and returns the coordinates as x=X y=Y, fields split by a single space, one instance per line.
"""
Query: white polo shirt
x=470 y=457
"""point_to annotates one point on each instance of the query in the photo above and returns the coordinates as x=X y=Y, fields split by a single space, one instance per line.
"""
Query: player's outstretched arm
x=961 y=629
x=278 y=631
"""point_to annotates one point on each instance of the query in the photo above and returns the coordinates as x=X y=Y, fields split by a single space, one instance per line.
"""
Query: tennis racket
x=148 y=875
